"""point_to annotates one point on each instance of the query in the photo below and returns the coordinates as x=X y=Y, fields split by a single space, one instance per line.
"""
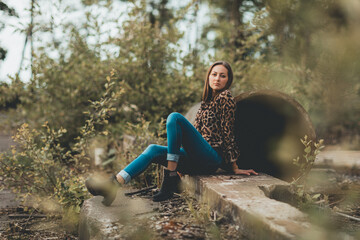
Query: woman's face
x=218 y=78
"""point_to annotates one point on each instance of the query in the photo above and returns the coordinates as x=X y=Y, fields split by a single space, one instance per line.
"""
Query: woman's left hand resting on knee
x=238 y=171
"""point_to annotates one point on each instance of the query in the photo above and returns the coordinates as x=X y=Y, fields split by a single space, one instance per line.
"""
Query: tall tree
x=229 y=25
x=29 y=38
x=9 y=12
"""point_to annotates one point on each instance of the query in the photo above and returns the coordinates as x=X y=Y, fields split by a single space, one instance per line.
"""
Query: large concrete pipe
x=268 y=129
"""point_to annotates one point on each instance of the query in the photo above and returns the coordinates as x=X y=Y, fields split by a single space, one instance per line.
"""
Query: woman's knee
x=173 y=117
x=153 y=148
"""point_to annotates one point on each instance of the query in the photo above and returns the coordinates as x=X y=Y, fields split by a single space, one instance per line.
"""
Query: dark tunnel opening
x=268 y=128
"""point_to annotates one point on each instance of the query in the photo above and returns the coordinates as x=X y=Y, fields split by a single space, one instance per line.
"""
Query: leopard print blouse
x=215 y=122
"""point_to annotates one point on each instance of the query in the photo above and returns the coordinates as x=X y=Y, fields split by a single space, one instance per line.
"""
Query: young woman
x=199 y=149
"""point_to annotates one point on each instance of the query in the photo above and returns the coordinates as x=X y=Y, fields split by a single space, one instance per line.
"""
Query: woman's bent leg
x=181 y=132
x=108 y=188
x=152 y=154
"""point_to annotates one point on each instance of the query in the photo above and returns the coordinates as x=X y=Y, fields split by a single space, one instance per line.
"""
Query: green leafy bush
x=39 y=166
x=305 y=163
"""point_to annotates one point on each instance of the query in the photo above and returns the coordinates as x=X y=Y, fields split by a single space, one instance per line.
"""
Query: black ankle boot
x=169 y=185
x=107 y=189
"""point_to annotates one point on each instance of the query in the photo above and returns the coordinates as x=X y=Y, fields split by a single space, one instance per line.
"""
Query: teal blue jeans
x=185 y=146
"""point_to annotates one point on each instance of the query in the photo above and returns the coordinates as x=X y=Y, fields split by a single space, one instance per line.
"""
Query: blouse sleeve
x=227 y=118
x=197 y=123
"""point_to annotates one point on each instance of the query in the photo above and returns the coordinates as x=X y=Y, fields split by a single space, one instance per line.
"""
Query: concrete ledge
x=244 y=199
x=100 y=222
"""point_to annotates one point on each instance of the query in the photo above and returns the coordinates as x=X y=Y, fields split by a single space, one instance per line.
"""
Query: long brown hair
x=207 y=93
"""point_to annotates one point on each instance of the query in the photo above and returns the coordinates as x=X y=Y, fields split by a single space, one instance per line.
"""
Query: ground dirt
x=19 y=222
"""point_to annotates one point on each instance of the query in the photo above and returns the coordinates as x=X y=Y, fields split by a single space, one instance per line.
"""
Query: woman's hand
x=245 y=172
x=238 y=171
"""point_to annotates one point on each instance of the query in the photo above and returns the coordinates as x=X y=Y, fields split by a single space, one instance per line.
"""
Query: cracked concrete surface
x=244 y=198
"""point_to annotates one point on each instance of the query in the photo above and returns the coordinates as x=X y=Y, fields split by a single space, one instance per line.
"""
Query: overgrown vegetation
x=67 y=74
x=39 y=167
x=70 y=100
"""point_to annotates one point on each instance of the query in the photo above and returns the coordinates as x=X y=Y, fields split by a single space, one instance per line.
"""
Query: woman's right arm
x=197 y=123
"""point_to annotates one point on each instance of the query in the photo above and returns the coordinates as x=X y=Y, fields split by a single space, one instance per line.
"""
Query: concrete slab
x=347 y=161
x=100 y=222
x=245 y=200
